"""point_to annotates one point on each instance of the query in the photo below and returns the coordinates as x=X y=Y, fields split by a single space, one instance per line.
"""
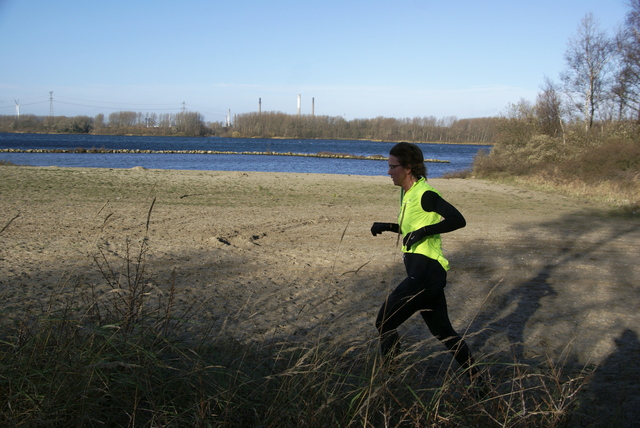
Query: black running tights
x=422 y=291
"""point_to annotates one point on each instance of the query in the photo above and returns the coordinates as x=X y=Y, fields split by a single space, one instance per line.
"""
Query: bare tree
x=123 y=119
x=190 y=124
x=548 y=110
x=518 y=125
x=627 y=86
x=589 y=68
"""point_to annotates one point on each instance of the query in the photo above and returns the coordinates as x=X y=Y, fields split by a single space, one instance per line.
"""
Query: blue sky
x=356 y=59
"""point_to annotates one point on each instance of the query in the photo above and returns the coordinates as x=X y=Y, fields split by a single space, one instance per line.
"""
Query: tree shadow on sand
x=612 y=395
x=542 y=286
x=510 y=313
x=526 y=297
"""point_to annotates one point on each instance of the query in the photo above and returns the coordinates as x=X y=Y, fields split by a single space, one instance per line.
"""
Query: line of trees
x=418 y=129
x=184 y=123
x=188 y=124
x=264 y=125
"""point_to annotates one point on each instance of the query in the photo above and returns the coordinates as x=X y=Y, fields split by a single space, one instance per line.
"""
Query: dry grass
x=58 y=370
x=123 y=355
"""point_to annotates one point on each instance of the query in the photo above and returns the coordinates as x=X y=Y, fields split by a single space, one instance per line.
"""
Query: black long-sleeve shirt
x=452 y=219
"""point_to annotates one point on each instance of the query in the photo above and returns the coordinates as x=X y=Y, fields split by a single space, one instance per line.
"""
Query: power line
x=203 y=110
x=28 y=98
x=112 y=102
x=31 y=104
x=23 y=104
x=114 y=108
x=109 y=105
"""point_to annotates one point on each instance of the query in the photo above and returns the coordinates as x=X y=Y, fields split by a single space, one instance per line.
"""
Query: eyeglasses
x=392 y=167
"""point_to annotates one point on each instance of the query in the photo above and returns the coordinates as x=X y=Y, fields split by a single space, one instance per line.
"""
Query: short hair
x=410 y=156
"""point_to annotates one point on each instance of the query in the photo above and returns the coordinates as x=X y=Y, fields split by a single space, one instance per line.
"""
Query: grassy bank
x=602 y=165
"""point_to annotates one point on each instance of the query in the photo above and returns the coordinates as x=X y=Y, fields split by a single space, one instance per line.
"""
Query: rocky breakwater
x=208 y=152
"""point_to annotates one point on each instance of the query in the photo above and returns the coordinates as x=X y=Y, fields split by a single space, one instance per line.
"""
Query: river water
x=459 y=156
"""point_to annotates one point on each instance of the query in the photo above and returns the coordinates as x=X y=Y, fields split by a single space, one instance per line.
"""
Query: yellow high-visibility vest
x=413 y=217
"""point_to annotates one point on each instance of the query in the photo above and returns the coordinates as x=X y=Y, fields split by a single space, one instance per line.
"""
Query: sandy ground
x=272 y=255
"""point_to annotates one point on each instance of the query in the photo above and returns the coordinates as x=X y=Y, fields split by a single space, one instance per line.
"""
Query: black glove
x=414 y=237
x=378 y=228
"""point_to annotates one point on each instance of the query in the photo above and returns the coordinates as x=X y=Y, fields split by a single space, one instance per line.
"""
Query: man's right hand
x=378 y=228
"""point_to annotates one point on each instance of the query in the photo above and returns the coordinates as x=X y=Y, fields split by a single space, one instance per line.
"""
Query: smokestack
x=299 y=104
x=259 y=105
x=313 y=106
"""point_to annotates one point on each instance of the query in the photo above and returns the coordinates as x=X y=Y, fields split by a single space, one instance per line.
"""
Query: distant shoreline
x=374 y=140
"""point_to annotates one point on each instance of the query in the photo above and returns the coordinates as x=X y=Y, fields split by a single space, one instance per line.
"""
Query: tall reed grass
x=123 y=355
